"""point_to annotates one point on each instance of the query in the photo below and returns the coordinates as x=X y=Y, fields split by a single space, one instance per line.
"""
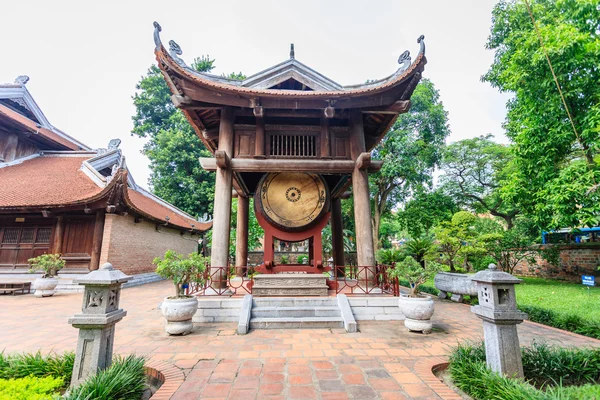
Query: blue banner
x=588 y=280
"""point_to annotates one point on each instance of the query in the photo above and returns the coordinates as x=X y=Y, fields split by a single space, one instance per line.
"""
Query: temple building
x=58 y=195
x=295 y=141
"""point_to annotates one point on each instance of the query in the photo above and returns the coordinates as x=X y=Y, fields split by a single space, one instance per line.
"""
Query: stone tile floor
x=376 y=363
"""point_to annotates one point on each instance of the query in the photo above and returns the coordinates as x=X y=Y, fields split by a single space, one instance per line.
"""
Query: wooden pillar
x=97 y=241
x=360 y=188
x=259 y=142
x=324 y=138
x=59 y=229
x=337 y=234
x=241 y=238
x=219 y=256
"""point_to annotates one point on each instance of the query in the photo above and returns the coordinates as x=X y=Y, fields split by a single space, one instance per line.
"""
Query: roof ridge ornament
x=157 y=30
x=21 y=80
x=292 y=52
x=421 y=41
x=404 y=60
x=175 y=51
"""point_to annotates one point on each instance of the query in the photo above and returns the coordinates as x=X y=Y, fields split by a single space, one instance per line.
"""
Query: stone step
x=294 y=302
x=286 y=290
x=296 y=323
x=293 y=312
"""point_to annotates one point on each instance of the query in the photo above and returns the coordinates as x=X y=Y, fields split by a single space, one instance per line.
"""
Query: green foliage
x=255 y=231
x=300 y=259
x=457 y=240
x=285 y=259
x=556 y=170
x=419 y=248
x=30 y=388
x=509 y=248
x=390 y=256
x=181 y=270
x=426 y=210
x=49 y=263
x=410 y=151
x=124 y=379
x=38 y=365
x=173 y=147
x=414 y=273
x=568 y=322
x=473 y=171
x=543 y=366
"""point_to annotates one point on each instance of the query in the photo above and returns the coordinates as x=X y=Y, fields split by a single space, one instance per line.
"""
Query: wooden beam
x=325 y=138
x=259 y=140
x=222 y=159
x=399 y=107
x=211 y=134
x=363 y=161
x=290 y=165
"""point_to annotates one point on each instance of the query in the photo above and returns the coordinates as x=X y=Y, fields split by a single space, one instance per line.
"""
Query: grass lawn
x=561 y=297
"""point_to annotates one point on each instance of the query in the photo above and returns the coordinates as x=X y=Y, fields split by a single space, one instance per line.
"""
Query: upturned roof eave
x=176 y=67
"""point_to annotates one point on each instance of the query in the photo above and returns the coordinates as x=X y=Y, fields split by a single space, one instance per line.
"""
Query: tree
x=556 y=148
x=457 y=239
x=410 y=151
x=173 y=147
x=473 y=170
x=426 y=210
x=509 y=248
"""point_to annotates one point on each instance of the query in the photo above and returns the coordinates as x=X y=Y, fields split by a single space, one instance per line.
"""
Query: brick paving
x=382 y=361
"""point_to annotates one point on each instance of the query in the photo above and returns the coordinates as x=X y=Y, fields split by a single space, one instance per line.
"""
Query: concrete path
x=379 y=362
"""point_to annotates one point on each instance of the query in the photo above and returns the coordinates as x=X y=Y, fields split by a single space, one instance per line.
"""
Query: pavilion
x=296 y=141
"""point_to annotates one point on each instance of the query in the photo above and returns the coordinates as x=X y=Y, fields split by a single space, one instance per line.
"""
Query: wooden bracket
x=363 y=161
x=210 y=134
x=329 y=112
x=222 y=159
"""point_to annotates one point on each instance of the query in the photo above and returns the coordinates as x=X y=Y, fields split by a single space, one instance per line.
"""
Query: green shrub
x=571 y=323
x=181 y=270
x=546 y=367
x=49 y=263
x=124 y=380
x=30 y=388
x=37 y=365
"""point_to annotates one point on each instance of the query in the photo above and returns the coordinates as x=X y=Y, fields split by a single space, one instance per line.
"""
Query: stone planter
x=178 y=313
x=418 y=312
x=457 y=284
x=45 y=287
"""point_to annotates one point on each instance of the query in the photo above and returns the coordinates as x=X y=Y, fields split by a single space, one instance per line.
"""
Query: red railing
x=366 y=280
x=219 y=281
x=223 y=281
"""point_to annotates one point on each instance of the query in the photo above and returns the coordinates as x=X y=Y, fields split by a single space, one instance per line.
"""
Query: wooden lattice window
x=290 y=145
x=43 y=235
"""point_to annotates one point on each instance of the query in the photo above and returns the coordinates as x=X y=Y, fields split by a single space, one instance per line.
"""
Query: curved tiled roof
x=224 y=85
x=57 y=180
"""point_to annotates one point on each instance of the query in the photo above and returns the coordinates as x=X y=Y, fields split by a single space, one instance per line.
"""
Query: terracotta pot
x=178 y=313
x=418 y=312
x=45 y=287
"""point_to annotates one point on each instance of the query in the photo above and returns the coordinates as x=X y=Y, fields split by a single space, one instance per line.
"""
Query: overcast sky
x=84 y=58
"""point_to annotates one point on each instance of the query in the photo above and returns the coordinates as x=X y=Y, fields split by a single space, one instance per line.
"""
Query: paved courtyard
x=380 y=362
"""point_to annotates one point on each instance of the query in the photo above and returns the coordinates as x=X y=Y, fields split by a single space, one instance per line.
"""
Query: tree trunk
x=375 y=226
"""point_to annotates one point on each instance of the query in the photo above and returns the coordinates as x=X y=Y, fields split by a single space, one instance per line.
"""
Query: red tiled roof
x=154 y=209
x=46 y=181
x=54 y=181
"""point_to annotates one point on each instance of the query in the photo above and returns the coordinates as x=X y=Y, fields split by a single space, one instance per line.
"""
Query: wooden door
x=18 y=243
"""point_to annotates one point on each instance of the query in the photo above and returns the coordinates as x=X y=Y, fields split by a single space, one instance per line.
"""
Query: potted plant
x=50 y=264
x=178 y=310
x=417 y=308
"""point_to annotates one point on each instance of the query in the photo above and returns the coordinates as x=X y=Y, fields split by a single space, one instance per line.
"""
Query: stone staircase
x=290 y=285
x=295 y=313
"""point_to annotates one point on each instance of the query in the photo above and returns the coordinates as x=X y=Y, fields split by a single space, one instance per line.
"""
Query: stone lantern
x=498 y=310
x=96 y=323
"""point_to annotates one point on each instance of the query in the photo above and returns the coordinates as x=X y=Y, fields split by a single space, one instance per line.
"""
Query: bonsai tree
x=50 y=264
x=181 y=270
x=411 y=270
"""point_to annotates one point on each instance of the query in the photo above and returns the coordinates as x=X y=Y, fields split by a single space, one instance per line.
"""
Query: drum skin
x=292 y=201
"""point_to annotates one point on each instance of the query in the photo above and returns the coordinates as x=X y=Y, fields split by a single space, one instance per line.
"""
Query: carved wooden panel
x=292 y=200
x=340 y=145
x=244 y=144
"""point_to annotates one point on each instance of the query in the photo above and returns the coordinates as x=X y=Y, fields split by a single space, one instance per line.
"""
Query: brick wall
x=575 y=260
x=131 y=247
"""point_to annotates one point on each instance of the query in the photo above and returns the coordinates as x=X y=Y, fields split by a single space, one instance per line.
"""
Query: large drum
x=292 y=201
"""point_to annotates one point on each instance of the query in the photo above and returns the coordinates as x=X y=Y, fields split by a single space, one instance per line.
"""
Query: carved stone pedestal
x=290 y=285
